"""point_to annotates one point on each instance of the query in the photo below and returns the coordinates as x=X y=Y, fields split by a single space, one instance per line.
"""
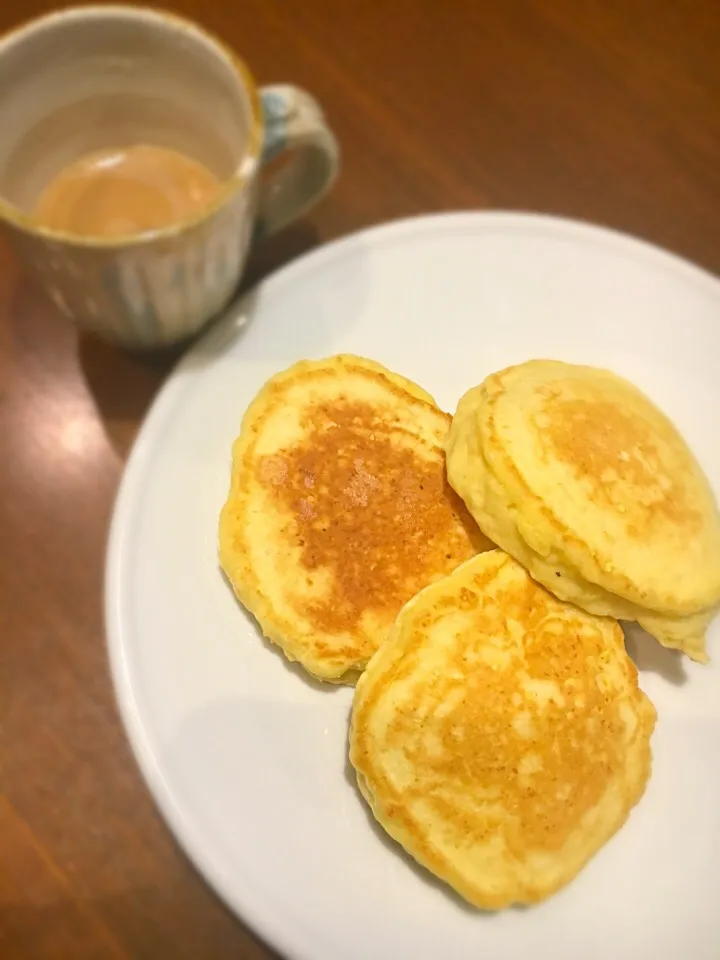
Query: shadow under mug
x=95 y=77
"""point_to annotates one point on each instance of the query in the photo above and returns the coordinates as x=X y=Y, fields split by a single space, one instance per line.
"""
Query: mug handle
x=294 y=123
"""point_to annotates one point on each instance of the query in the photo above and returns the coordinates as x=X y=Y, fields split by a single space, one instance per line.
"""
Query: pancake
x=339 y=510
x=576 y=474
x=499 y=734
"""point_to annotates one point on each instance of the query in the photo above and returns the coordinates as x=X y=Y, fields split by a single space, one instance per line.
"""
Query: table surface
x=606 y=110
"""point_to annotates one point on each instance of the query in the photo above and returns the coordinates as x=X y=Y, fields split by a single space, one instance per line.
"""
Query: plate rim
x=254 y=913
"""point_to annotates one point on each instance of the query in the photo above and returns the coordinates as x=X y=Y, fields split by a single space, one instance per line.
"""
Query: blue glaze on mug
x=139 y=310
x=275 y=110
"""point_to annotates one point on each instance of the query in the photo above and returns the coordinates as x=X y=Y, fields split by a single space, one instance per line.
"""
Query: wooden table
x=607 y=110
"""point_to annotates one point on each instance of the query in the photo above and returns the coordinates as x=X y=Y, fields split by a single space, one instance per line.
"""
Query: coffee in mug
x=125 y=190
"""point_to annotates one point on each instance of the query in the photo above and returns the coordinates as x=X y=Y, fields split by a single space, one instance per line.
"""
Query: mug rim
x=228 y=188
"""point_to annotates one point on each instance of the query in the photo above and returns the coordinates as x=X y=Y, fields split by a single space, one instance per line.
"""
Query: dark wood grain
x=607 y=110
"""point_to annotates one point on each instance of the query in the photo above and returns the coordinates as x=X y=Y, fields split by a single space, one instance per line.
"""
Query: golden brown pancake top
x=375 y=514
x=530 y=728
x=616 y=455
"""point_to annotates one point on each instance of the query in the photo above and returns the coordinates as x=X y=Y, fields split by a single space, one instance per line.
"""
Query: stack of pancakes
x=498 y=731
x=576 y=474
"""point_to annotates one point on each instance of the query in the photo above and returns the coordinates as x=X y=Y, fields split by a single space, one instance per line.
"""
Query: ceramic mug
x=93 y=77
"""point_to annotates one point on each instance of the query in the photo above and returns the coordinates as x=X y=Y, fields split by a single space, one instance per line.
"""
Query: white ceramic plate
x=244 y=757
